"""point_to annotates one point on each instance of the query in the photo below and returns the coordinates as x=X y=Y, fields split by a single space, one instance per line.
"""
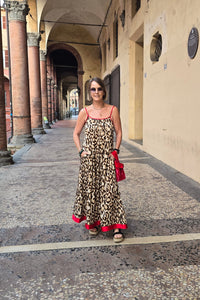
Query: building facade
x=146 y=51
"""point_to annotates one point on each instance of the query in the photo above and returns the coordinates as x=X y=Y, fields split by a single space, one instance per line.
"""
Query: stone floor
x=45 y=255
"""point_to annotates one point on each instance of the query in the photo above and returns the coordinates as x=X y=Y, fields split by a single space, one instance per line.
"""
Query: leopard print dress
x=97 y=196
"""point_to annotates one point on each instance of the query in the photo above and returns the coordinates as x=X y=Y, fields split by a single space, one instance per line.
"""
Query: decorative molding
x=42 y=55
x=33 y=39
x=17 y=10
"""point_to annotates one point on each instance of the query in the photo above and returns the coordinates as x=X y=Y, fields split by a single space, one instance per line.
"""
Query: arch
x=80 y=72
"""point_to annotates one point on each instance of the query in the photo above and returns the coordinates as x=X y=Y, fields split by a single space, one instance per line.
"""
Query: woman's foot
x=117 y=236
x=94 y=231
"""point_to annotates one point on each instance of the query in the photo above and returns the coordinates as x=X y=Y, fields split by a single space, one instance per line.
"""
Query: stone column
x=43 y=72
x=5 y=157
x=17 y=12
x=35 y=83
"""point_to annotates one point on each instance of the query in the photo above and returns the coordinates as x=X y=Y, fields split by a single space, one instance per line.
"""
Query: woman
x=97 y=197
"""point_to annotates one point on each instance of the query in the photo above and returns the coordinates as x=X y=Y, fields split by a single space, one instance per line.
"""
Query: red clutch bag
x=119 y=168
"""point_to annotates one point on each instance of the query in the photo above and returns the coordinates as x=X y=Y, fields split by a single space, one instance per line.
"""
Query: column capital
x=42 y=55
x=33 y=39
x=17 y=10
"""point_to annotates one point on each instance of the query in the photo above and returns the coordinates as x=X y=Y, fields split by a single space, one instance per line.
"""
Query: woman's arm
x=117 y=125
x=78 y=128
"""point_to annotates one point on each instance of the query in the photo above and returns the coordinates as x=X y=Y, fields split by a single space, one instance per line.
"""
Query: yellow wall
x=159 y=100
x=130 y=59
x=171 y=93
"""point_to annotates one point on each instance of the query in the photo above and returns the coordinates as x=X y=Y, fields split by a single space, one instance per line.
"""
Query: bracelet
x=81 y=152
x=117 y=150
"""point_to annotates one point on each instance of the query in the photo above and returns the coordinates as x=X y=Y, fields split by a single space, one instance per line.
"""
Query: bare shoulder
x=115 y=110
x=82 y=114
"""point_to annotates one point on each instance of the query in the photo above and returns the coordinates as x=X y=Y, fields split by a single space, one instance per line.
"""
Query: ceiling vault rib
x=104 y=21
x=74 y=23
x=78 y=43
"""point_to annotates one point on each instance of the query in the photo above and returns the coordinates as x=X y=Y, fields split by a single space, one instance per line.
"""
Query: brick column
x=56 y=102
x=17 y=12
x=5 y=158
x=52 y=101
x=35 y=83
x=49 y=99
x=43 y=72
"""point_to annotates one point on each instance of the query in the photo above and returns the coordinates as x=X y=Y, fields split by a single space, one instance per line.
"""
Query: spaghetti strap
x=86 y=113
x=111 y=111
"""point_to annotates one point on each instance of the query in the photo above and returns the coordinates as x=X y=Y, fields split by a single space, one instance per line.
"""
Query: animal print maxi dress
x=97 y=197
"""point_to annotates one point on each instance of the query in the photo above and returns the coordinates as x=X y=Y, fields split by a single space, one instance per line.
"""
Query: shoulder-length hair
x=101 y=83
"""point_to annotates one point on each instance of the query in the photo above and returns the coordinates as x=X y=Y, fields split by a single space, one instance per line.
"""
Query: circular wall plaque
x=193 y=42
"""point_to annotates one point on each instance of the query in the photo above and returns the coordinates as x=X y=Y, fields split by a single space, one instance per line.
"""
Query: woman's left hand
x=111 y=155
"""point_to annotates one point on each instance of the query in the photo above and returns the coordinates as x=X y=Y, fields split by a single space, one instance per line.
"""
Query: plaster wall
x=121 y=59
x=171 y=87
x=128 y=60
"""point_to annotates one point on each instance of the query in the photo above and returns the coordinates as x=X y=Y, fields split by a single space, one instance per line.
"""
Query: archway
x=69 y=71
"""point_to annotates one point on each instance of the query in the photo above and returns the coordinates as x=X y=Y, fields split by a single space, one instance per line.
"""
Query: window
x=115 y=38
x=156 y=47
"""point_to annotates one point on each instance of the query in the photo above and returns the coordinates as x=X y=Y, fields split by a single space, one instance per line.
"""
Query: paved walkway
x=45 y=255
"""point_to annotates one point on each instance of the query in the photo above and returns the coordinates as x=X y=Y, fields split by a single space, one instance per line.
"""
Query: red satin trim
x=77 y=220
x=92 y=226
x=114 y=226
x=98 y=223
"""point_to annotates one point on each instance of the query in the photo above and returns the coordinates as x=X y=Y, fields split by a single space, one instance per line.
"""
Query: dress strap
x=111 y=111
x=86 y=113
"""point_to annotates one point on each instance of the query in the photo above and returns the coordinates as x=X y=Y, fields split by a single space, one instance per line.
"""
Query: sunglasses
x=98 y=89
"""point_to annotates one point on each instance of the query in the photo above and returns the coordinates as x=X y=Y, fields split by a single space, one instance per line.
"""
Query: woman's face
x=96 y=92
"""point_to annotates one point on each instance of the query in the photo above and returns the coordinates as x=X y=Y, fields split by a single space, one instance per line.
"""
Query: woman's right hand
x=84 y=154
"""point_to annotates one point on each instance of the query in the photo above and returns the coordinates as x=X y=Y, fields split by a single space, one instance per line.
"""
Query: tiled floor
x=159 y=259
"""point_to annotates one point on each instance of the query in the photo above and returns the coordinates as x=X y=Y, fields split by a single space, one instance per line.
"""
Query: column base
x=36 y=131
x=5 y=158
x=46 y=126
x=23 y=139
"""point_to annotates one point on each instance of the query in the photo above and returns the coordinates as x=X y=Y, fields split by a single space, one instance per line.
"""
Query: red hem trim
x=92 y=226
x=114 y=226
x=77 y=220
x=97 y=223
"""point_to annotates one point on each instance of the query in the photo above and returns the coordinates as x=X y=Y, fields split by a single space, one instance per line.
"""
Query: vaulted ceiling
x=82 y=18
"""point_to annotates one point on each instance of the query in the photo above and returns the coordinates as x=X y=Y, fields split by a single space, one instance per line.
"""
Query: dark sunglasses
x=98 y=89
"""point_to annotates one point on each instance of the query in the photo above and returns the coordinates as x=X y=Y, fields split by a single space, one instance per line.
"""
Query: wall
x=171 y=93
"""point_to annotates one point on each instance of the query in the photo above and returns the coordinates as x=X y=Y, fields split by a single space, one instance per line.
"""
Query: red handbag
x=119 y=168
